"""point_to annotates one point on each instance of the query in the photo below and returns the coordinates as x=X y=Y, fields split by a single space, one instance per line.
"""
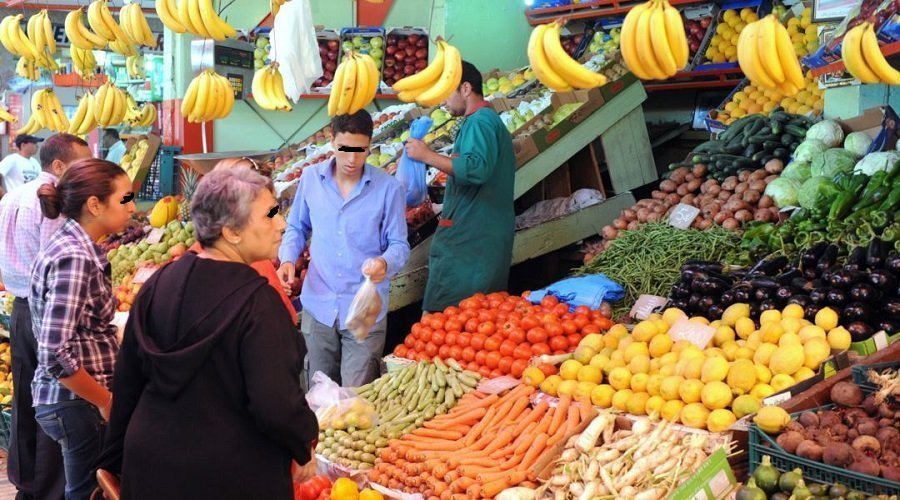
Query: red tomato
x=507 y=306
x=569 y=327
x=451 y=311
x=522 y=351
x=505 y=365
x=463 y=317
x=548 y=318
x=411 y=354
x=431 y=350
x=549 y=301
x=468 y=304
x=492 y=360
x=560 y=343
x=495 y=373
x=480 y=357
x=518 y=366
x=409 y=341
x=492 y=343
x=426 y=334
x=574 y=340
x=450 y=338
x=453 y=325
x=422 y=357
x=558 y=353
x=507 y=347
x=477 y=341
x=548 y=369
x=554 y=329
x=472 y=325
x=561 y=310
x=540 y=349
x=420 y=345
x=444 y=351
x=603 y=323
x=401 y=350
x=473 y=366
x=468 y=354
x=581 y=321
x=484 y=371
x=463 y=339
x=517 y=335
x=589 y=329
x=487 y=315
x=438 y=337
x=536 y=335
x=416 y=329
x=487 y=328
x=582 y=310
x=528 y=322
x=456 y=352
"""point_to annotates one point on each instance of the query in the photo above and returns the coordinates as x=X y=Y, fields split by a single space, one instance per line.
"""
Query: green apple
x=377 y=42
x=261 y=42
x=493 y=84
x=358 y=41
x=347 y=46
x=376 y=52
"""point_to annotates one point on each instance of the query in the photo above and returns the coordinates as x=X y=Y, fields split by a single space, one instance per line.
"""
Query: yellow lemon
x=673 y=314
x=610 y=340
x=567 y=388
x=729 y=349
x=637 y=403
x=789 y=339
x=654 y=366
x=772 y=419
x=620 y=378
x=826 y=318
x=771 y=332
x=810 y=332
x=584 y=390
x=700 y=319
x=644 y=331
x=593 y=340
x=793 y=310
x=744 y=327
x=661 y=325
x=636 y=349
x=723 y=334
x=714 y=369
x=782 y=381
x=671 y=410
x=654 y=383
x=639 y=364
x=694 y=368
x=690 y=390
x=620 y=399
x=764 y=353
x=550 y=385
x=624 y=343
x=791 y=325
x=716 y=395
x=589 y=374
x=754 y=341
x=618 y=331
x=569 y=369
x=654 y=405
x=770 y=316
x=762 y=391
x=839 y=339
x=681 y=345
x=670 y=358
x=533 y=376
x=667 y=370
x=719 y=420
x=763 y=374
x=711 y=352
x=583 y=354
x=612 y=365
x=639 y=382
x=815 y=352
x=691 y=352
x=745 y=405
x=743 y=353
x=618 y=355
x=734 y=312
x=660 y=345
x=803 y=374
x=741 y=376
x=599 y=361
x=669 y=387
x=787 y=359
x=694 y=415
x=602 y=395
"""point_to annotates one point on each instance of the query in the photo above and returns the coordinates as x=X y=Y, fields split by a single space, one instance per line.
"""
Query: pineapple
x=189 y=180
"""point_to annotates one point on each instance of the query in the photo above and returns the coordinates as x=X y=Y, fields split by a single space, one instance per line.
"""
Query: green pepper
x=892 y=174
x=878 y=219
x=891 y=233
x=802 y=239
x=892 y=202
x=864 y=232
x=897 y=245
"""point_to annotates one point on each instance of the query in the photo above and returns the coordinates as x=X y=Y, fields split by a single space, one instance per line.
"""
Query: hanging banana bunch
x=434 y=84
x=767 y=57
x=15 y=40
x=355 y=84
x=79 y=35
x=553 y=66
x=134 y=66
x=85 y=118
x=209 y=96
x=135 y=25
x=268 y=89
x=83 y=62
x=654 y=44
x=103 y=23
x=110 y=105
x=26 y=68
x=40 y=32
x=198 y=17
x=48 y=112
x=863 y=58
x=6 y=116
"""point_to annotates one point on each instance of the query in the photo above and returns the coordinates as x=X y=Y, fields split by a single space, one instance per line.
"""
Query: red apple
x=333 y=44
x=330 y=66
x=422 y=43
x=410 y=51
x=389 y=71
x=704 y=22
x=400 y=55
x=391 y=50
x=421 y=54
x=402 y=44
x=413 y=38
x=421 y=64
x=389 y=63
x=332 y=55
x=409 y=69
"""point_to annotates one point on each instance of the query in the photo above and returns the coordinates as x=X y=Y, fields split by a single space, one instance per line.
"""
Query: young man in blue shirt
x=356 y=215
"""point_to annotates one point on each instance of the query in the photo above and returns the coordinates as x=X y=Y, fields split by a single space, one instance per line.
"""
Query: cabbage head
x=874 y=162
x=817 y=193
x=831 y=162
x=796 y=170
x=827 y=131
x=857 y=143
x=808 y=148
x=783 y=191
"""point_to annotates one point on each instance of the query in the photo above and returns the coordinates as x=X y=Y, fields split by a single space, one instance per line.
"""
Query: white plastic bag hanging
x=295 y=49
x=364 y=310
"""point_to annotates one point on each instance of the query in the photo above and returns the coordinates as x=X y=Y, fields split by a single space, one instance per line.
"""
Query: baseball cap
x=26 y=139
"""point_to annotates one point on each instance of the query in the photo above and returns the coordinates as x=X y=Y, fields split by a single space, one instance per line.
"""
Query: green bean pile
x=648 y=260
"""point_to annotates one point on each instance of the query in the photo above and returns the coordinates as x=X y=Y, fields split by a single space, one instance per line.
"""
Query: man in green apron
x=472 y=247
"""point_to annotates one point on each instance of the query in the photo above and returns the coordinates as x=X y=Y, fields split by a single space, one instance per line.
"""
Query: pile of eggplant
x=863 y=287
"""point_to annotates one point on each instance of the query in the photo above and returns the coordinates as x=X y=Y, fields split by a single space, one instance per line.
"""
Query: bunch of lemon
x=751 y=100
x=804 y=33
x=723 y=46
x=647 y=372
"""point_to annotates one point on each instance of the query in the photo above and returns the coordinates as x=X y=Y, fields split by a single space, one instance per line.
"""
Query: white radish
x=576 y=488
x=651 y=494
x=590 y=491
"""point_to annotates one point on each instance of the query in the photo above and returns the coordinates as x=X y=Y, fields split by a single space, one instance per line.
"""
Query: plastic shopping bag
x=295 y=49
x=411 y=172
x=337 y=407
x=591 y=291
x=364 y=309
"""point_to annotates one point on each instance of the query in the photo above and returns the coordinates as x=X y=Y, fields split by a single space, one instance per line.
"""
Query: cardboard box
x=616 y=87
x=831 y=366
x=878 y=123
x=525 y=150
x=591 y=100
x=154 y=142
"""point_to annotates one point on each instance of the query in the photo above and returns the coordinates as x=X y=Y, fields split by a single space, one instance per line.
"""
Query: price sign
x=645 y=305
x=777 y=399
x=143 y=275
x=155 y=235
x=695 y=333
x=683 y=216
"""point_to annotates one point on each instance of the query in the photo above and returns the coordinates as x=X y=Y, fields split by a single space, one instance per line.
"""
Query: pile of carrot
x=486 y=444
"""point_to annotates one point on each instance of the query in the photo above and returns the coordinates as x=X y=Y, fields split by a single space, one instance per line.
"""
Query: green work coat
x=472 y=247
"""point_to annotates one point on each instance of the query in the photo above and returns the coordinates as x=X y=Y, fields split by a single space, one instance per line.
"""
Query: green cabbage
x=827 y=131
x=808 y=148
x=783 y=191
x=857 y=143
x=832 y=161
x=874 y=162
x=817 y=193
x=796 y=170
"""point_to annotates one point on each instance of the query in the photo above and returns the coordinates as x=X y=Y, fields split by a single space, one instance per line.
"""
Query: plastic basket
x=763 y=444
x=5 y=429
x=861 y=377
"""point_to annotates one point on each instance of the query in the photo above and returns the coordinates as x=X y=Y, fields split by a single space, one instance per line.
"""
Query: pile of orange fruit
x=723 y=46
x=751 y=100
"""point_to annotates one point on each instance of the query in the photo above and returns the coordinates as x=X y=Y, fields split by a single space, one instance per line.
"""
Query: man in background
x=22 y=166
x=35 y=461
x=114 y=145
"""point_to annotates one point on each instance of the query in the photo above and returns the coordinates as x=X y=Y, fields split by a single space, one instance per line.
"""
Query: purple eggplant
x=883 y=280
x=856 y=311
x=860 y=331
x=864 y=292
x=836 y=297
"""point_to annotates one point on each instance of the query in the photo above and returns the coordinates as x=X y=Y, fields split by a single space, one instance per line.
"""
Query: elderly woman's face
x=261 y=237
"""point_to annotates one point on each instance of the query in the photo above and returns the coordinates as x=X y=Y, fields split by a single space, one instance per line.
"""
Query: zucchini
x=765 y=159
x=775 y=126
x=780 y=116
x=759 y=139
x=781 y=153
x=734 y=149
x=787 y=139
x=795 y=130
x=755 y=127
x=759 y=155
x=751 y=150
x=704 y=147
x=770 y=146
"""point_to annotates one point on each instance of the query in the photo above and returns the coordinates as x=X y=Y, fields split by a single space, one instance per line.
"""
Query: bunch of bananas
x=135 y=25
x=83 y=62
x=197 y=17
x=46 y=112
x=110 y=105
x=134 y=158
x=40 y=32
x=654 y=44
x=85 y=118
x=209 y=96
x=436 y=82
x=275 y=6
x=863 y=57
x=26 y=68
x=355 y=84
x=766 y=55
x=140 y=116
x=553 y=66
x=15 y=40
x=6 y=116
x=104 y=24
x=135 y=66
x=79 y=34
x=268 y=89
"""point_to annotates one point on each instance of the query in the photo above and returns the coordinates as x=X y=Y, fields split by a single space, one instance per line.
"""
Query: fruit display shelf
x=587 y=10
x=838 y=66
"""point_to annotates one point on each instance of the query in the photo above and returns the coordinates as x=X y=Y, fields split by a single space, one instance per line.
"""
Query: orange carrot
x=478 y=462
x=433 y=433
x=494 y=488
x=572 y=420
x=560 y=414
x=464 y=418
x=533 y=416
x=584 y=406
x=478 y=428
x=533 y=453
x=435 y=445
x=517 y=408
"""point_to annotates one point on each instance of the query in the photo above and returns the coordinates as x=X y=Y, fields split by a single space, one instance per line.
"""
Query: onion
x=633 y=225
x=654 y=217
x=609 y=232
x=629 y=215
x=774 y=166
x=682 y=171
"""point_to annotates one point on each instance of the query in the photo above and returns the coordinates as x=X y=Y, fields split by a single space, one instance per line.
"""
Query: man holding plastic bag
x=356 y=216
x=472 y=247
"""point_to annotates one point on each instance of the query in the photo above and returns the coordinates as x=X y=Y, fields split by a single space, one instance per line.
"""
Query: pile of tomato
x=498 y=334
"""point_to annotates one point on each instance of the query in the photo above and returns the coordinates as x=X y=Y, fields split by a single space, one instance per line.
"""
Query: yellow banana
x=108 y=106
x=659 y=41
x=99 y=100
x=80 y=114
x=346 y=92
x=218 y=109
x=537 y=57
x=34 y=34
x=447 y=83
x=340 y=81
x=168 y=14
x=563 y=65
x=229 y=97
x=121 y=106
x=190 y=97
x=875 y=59
x=6 y=116
x=762 y=76
x=275 y=6
x=278 y=89
x=60 y=120
x=204 y=98
x=629 y=42
x=369 y=63
x=4 y=38
x=211 y=20
x=258 y=88
x=197 y=18
x=37 y=108
x=109 y=21
x=184 y=15
x=126 y=19
x=851 y=52
x=47 y=28
x=20 y=40
x=90 y=121
x=767 y=50
x=30 y=127
x=676 y=35
x=78 y=33
x=793 y=74
x=366 y=81
x=97 y=23
x=425 y=77
x=141 y=23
